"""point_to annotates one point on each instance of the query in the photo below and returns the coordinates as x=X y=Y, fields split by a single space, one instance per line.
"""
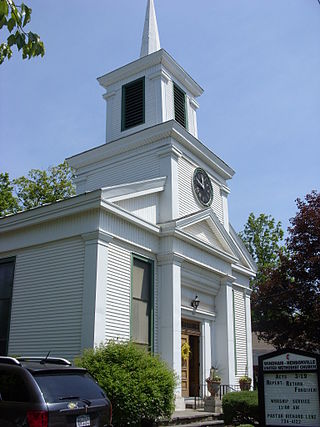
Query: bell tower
x=151 y=90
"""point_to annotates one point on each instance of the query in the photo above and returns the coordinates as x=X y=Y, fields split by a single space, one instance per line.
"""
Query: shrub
x=240 y=407
x=139 y=385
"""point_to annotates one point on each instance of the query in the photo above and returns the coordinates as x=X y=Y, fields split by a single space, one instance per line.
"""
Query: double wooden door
x=190 y=367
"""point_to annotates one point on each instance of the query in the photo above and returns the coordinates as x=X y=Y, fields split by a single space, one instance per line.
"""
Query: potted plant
x=245 y=383
x=213 y=382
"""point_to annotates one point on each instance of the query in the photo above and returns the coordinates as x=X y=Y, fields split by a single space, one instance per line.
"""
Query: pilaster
x=249 y=332
x=170 y=313
x=224 y=342
x=169 y=198
x=95 y=288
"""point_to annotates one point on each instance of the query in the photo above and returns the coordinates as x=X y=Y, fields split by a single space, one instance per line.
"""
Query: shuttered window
x=141 y=305
x=179 y=106
x=133 y=113
x=6 y=282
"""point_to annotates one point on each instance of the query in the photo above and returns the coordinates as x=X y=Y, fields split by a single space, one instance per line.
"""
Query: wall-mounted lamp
x=195 y=302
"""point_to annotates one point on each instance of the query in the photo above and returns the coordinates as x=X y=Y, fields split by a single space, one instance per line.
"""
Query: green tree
x=13 y=21
x=38 y=188
x=8 y=203
x=263 y=238
x=44 y=186
x=287 y=303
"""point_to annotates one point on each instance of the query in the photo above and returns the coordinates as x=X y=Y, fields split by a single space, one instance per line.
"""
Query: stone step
x=192 y=418
x=200 y=424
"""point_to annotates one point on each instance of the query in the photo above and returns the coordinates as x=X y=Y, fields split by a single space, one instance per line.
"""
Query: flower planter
x=245 y=384
x=213 y=386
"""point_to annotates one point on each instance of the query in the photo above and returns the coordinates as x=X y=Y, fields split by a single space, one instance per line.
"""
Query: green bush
x=139 y=385
x=240 y=407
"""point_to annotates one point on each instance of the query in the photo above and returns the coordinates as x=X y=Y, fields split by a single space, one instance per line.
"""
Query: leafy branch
x=14 y=19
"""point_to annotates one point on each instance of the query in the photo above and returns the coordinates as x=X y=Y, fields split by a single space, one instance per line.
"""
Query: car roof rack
x=9 y=360
x=45 y=360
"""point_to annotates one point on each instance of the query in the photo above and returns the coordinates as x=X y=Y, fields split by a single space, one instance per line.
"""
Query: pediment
x=204 y=231
x=206 y=227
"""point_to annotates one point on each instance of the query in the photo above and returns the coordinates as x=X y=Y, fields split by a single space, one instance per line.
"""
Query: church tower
x=166 y=195
x=152 y=90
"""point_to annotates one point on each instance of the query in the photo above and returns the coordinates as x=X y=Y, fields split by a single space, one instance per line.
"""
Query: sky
x=258 y=62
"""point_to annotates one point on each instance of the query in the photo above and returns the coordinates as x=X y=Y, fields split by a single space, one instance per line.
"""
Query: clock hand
x=200 y=183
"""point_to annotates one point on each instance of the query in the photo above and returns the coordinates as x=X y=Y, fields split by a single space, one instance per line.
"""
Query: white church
x=145 y=250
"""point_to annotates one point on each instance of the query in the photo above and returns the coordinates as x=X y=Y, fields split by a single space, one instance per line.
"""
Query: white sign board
x=292 y=399
x=291 y=390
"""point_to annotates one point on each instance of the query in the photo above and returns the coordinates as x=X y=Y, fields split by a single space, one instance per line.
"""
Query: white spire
x=150 y=38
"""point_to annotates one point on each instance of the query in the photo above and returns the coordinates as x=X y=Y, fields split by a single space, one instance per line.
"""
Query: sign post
x=289 y=389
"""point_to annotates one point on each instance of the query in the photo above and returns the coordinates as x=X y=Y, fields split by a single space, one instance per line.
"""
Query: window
x=6 y=282
x=58 y=385
x=142 y=302
x=133 y=104
x=180 y=106
x=13 y=388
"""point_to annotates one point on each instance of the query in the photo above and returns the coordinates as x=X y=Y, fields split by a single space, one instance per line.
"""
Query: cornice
x=98 y=236
x=73 y=205
x=169 y=258
x=146 y=62
x=147 y=136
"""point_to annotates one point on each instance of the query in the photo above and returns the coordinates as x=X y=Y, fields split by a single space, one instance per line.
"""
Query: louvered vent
x=179 y=106
x=133 y=104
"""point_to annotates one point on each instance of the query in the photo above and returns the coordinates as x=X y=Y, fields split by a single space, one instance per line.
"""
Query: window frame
x=5 y=261
x=123 y=104
x=151 y=322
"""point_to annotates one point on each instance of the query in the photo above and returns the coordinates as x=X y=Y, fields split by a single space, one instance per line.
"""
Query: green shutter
x=133 y=104
x=179 y=106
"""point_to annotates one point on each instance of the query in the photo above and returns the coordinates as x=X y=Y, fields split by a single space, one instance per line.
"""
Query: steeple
x=150 y=38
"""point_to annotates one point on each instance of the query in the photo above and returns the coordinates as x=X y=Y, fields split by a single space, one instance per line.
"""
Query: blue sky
x=257 y=60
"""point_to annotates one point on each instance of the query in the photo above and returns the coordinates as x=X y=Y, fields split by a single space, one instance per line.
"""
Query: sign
x=289 y=389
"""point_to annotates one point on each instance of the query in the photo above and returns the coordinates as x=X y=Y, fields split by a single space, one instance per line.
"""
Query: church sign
x=289 y=389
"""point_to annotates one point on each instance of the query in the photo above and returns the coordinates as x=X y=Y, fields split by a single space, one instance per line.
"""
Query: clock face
x=202 y=187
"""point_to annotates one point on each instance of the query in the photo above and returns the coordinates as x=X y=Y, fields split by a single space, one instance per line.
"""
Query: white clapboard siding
x=240 y=333
x=47 y=300
x=118 y=294
x=144 y=207
x=131 y=170
x=187 y=201
x=202 y=231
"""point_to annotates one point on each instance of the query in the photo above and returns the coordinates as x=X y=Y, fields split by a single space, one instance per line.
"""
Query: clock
x=202 y=187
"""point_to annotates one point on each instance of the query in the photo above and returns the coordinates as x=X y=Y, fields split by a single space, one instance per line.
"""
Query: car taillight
x=37 y=418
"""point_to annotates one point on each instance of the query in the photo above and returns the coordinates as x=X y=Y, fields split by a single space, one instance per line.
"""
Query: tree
x=8 y=203
x=13 y=20
x=263 y=238
x=38 y=188
x=287 y=303
x=41 y=187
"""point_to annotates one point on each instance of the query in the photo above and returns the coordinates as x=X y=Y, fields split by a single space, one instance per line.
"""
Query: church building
x=144 y=251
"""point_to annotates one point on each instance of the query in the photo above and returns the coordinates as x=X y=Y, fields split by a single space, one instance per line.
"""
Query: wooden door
x=184 y=370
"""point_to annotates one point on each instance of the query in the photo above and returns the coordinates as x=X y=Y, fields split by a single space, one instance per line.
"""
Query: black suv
x=50 y=392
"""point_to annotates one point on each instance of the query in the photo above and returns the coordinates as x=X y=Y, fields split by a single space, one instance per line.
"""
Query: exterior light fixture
x=195 y=302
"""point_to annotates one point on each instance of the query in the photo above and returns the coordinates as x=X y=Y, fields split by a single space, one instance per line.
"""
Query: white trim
x=141 y=64
x=133 y=189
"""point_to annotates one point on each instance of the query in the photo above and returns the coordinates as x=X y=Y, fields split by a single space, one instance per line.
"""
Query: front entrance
x=190 y=334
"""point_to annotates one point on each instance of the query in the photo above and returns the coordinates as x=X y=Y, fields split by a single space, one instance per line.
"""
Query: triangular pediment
x=206 y=227
x=204 y=231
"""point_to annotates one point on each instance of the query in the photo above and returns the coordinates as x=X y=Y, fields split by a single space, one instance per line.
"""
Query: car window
x=59 y=386
x=13 y=387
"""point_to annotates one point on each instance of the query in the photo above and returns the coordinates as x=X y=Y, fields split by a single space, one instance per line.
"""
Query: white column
x=170 y=313
x=224 y=332
x=169 y=198
x=206 y=353
x=249 y=332
x=225 y=209
x=94 y=288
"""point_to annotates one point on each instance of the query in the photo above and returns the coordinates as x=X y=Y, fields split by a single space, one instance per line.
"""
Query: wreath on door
x=185 y=351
